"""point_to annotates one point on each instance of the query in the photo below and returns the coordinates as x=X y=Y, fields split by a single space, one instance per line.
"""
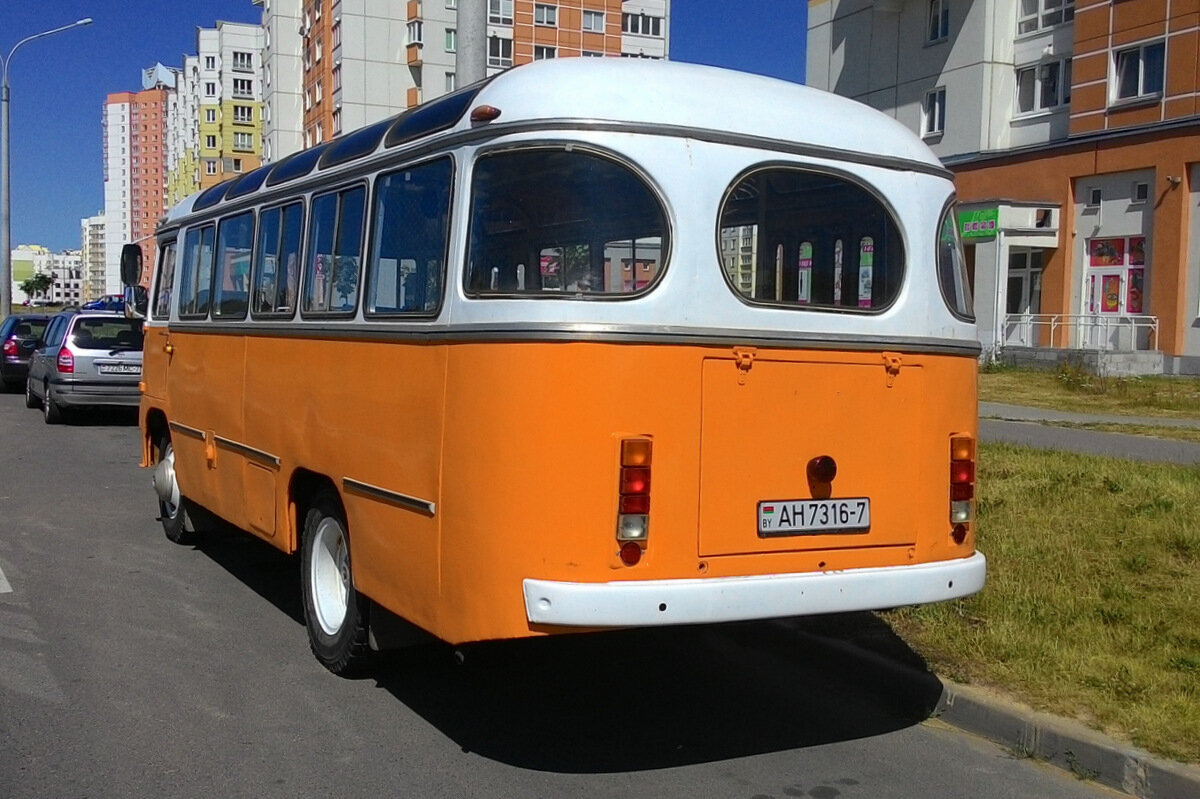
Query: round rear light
x=631 y=553
x=822 y=469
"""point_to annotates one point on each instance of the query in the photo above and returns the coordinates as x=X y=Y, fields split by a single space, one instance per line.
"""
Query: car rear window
x=29 y=328
x=98 y=333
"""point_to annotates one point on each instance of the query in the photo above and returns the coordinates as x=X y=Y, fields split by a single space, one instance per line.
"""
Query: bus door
x=205 y=371
x=156 y=349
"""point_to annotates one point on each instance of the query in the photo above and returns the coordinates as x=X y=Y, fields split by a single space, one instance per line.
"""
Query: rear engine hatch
x=765 y=418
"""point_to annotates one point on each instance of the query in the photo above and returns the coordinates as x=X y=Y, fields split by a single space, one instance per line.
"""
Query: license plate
x=806 y=516
x=119 y=369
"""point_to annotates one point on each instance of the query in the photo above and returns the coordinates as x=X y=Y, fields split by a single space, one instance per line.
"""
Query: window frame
x=218 y=271
x=1036 y=22
x=255 y=273
x=666 y=248
x=590 y=13
x=846 y=177
x=500 y=61
x=199 y=228
x=935 y=113
x=369 y=257
x=1063 y=93
x=499 y=18
x=548 y=13
x=547 y=52
x=1141 y=95
x=302 y=283
x=937 y=22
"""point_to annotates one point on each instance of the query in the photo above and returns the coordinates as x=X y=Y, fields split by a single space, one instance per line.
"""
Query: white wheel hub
x=329 y=575
x=165 y=484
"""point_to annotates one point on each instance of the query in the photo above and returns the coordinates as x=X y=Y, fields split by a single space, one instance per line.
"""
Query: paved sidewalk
x=1018 y=424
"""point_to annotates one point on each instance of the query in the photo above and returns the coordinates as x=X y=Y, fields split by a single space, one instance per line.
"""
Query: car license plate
x=119 y=369
x=807 y=516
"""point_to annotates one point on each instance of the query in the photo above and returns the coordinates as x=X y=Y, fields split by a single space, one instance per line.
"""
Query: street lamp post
x=5 y=176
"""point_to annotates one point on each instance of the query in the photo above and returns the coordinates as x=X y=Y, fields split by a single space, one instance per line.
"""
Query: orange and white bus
x=591 y=344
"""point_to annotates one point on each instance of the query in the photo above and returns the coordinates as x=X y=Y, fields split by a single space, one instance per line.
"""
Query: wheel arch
x=302 y=487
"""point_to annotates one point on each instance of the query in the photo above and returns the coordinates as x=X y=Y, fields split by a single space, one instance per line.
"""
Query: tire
x=334 y=612
x=31 y=401
x=173 y=507
x=50 y=410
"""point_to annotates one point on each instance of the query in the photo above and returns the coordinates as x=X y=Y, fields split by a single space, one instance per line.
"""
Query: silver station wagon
x=85 y=359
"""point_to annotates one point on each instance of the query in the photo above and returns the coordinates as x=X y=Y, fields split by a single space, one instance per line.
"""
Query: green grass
x=1071 y=389
x=1092 y=606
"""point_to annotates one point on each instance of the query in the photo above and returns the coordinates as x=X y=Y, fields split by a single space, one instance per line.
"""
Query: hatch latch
x=891 y=364
x=743 y=358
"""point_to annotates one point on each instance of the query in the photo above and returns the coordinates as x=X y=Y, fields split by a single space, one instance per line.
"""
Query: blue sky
x=58 y=83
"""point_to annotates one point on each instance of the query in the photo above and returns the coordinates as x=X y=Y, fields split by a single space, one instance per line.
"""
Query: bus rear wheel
x=172 y=506
x=335 y=614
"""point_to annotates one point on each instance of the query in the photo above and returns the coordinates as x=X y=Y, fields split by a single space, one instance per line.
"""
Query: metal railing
x=1110 y=332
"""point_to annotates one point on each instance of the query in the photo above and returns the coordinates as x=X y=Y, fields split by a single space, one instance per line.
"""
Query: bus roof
x=624 y=91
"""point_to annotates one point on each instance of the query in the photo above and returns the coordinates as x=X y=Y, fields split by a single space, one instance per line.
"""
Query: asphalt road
x=133 y=667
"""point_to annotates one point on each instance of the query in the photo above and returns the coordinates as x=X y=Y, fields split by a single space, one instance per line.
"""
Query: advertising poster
x=1106 y=252
x=1137 y=276
x=866 y=269
x=1137 y=251
x=804 y=274
x=1110 y=300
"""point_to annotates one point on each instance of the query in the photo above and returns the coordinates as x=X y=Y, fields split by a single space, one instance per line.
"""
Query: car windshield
x=100 y=333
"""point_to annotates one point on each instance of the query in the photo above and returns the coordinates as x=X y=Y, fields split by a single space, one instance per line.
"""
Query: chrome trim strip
x=257 y=455
x=458 y=334
x=192 y=432
x=391 y=497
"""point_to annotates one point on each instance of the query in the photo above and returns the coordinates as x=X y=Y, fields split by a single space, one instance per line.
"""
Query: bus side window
x=276 y=269
x=410 y=230
x=335 y=244
x=195 y=280
x=166 y=276
x=230 y=290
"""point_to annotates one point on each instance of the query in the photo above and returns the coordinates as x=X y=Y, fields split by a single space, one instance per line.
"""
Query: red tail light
x=66 y=361
x=633 y=506
x=962 y=485
x=10 y=347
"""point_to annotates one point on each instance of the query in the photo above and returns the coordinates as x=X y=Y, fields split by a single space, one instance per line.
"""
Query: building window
x=592 y=54
x=500 y=12
x=210 y=142
x=939 y=20
x=1034 y=15
x=243 y=113
x=450 y=82
x=416 y=32
x=210 y=167
x=933 y=113
x=1139 y=71
x=210 y=62
x=243 y=87
x=593 y=21
x=545 y=15
x=641 y=24
x=210 y=89
x=451 y=40
x=337 y=121
x=320 y=50
x=237 y=165
x=452 y=4
x=243 y=62
x=500 y=52
x=210 y=115
x=541 y=53
x=1141 y=192
x=337 y=78
x=243 y=141
x=335 y=33
x=1044 y=86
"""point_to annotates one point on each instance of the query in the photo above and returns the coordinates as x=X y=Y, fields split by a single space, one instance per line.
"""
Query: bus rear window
x=566 y=224
x=803 y=239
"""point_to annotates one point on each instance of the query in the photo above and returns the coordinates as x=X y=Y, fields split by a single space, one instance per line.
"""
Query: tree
x=40 y=283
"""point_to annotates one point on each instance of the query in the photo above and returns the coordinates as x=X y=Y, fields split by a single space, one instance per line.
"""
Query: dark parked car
x=85 y=358
x=18 y=337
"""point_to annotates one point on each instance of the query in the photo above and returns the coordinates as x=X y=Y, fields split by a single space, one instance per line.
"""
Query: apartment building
x=64 y=268
x=183 y=133
x=1072 y=127
x=135 y=169
x=91 y=238
x=228 y=99
x=332 y=66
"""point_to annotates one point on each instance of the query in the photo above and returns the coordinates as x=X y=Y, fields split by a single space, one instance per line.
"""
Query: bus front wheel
x=334 y=612
x=172 y=506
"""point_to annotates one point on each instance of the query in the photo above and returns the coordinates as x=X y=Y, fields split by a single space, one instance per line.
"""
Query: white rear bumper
x=639 y=603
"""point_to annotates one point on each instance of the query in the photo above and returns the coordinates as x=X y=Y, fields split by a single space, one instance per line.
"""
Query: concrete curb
x=1065 y=743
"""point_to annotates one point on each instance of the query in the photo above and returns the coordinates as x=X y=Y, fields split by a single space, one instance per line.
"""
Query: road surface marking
x=5 y=588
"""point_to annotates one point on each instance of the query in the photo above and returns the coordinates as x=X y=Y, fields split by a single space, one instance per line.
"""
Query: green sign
x=980 y=224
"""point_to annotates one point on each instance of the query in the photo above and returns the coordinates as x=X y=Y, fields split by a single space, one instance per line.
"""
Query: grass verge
x=1071 y=389
x=1092 y=607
